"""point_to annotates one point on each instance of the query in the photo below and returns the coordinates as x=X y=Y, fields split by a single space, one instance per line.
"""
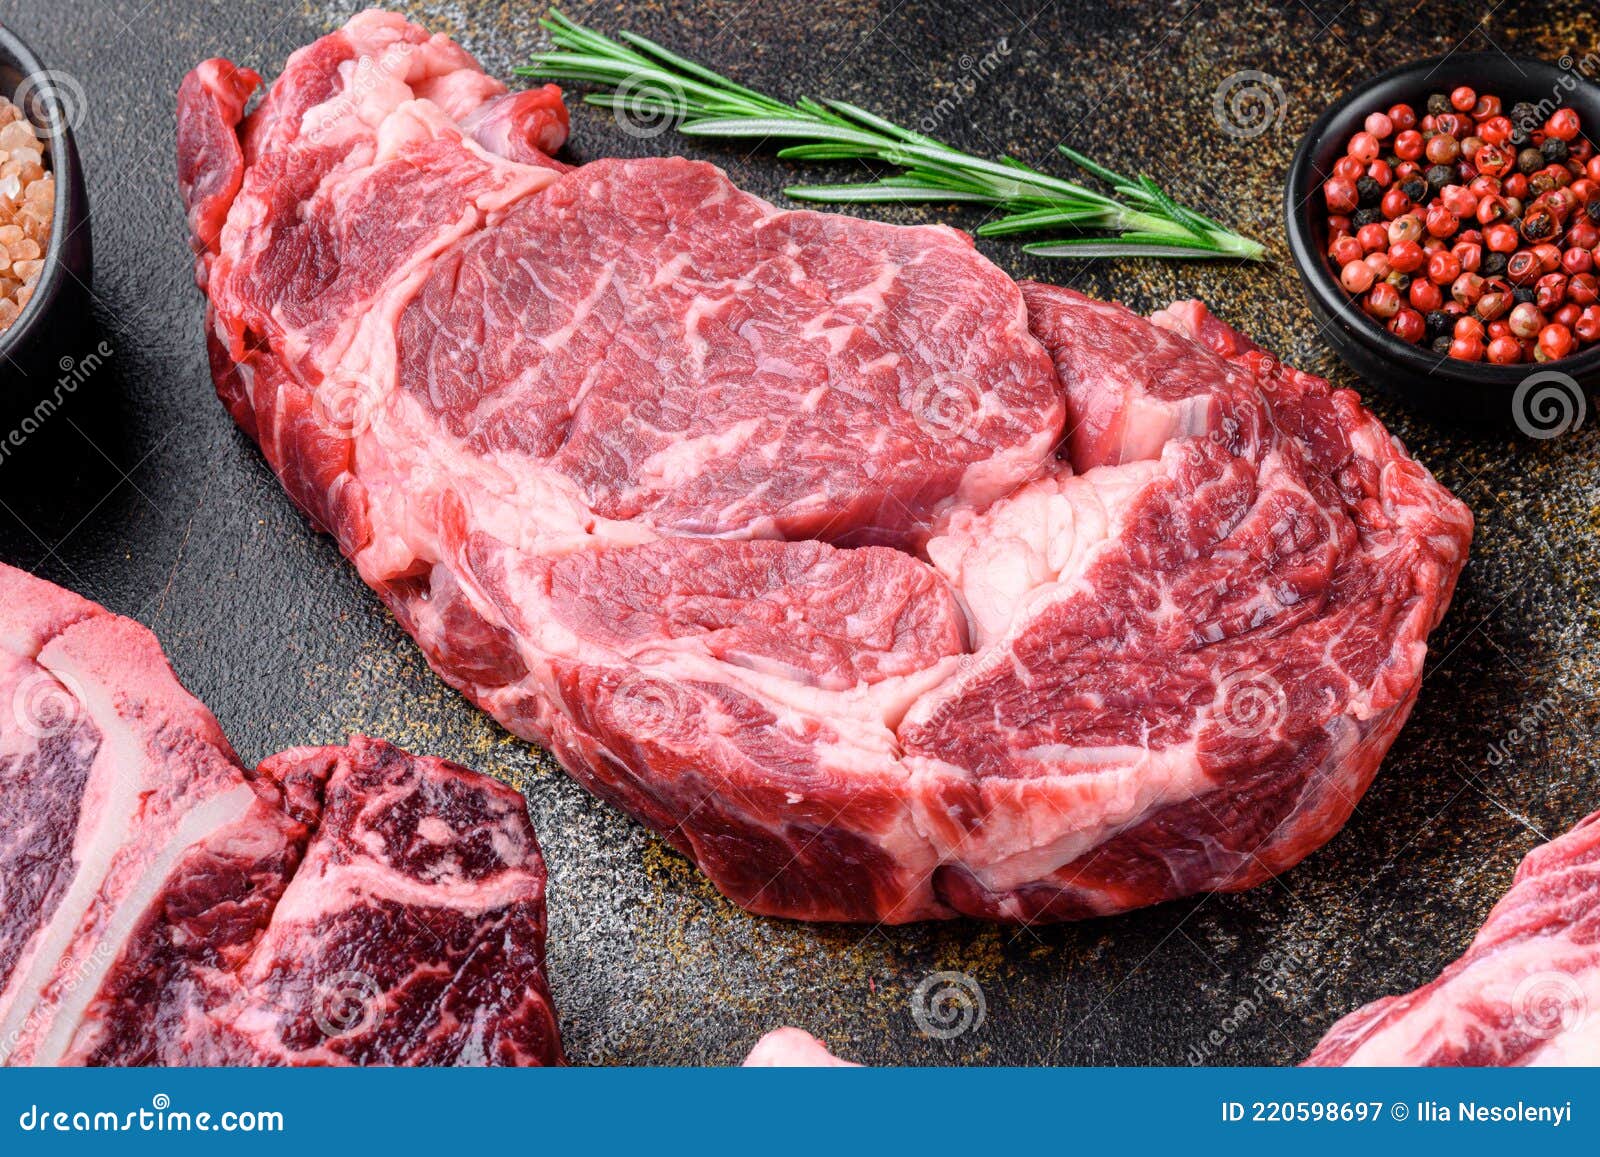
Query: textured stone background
x=142 y=495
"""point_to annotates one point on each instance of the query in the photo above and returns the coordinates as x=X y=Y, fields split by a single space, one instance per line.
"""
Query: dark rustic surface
x=142 y=495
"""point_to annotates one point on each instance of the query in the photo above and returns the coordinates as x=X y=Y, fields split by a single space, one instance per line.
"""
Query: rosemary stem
x=645 y=77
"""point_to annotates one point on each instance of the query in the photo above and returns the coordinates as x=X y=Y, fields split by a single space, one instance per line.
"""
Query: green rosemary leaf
x=1108 y=176
x=699 y=72
x=1130 y=244
x=824 y=151
x=884 y=192
x=773 y=127
x=1041 y=219
x=887 y=128
x=1170 y=207
x=1139 y=220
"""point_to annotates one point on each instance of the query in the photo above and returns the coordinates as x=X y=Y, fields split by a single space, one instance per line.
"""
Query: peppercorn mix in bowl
x=45 y=257
x=1439 y=216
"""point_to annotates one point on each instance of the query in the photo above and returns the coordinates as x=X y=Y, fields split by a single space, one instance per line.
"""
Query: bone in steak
x=161 y=904
x=1525 y=992
x=756 y=518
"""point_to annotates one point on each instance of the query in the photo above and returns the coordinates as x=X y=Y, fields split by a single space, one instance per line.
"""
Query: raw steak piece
x=793 y=1048
x=759 y=520
x=1193 y=655
x=1525 y=992
x=164 y=905
x=694 y=360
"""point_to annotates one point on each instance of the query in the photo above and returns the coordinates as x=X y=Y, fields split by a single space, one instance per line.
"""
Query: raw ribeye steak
x=1525 y=992
x=882 y=586
x=161 y=904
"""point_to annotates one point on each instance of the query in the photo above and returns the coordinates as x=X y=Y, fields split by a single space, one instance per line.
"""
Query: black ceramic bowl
x=53 y=325
x=1446 y=387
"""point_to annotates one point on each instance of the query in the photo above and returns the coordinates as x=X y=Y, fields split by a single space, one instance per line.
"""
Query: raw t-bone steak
x=880 y=585
x=162 y=904
x=1525 y=992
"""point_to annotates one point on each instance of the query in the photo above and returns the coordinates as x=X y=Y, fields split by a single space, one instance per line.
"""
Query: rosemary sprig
x=650 y=83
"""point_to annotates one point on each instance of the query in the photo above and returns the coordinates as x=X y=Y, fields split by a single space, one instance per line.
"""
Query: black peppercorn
x=1368 y=192
x=1441 y=345
x=1439 y=104
x=1493 y=264
x=1366 y=217
x=1530 y=161
x=1554 y=150
x=1439 y=176
x=1592 y=210
x=1519 y=139
x=1522 y=294
x=1439 y=322
x=1416 y=188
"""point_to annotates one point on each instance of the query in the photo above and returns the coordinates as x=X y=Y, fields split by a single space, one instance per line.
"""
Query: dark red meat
x=163 y=905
